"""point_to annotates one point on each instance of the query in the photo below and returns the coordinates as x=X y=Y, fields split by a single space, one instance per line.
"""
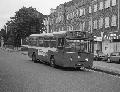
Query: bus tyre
x=52 y=62
x=34 y=57
x=109 y=61
x=119 y=61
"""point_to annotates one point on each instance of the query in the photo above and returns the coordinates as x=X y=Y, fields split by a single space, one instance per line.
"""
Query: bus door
x=60 y=49
x=40 y=50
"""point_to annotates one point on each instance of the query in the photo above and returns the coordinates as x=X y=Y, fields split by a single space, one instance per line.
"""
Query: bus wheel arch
x=52 y=61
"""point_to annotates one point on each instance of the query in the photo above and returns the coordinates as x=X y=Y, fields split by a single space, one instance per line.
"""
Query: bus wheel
x=34 y=57
x=109 y=61
x=119 y=61
x=52 y=62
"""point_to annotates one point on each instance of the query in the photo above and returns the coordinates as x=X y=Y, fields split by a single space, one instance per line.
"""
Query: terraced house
x=100 y=17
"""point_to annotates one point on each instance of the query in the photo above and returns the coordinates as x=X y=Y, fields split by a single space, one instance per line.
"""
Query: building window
x=80 y=26
x=71 y=15
x=62 y=28
x=67 y=28
x=100 y=22
x=90 y=9
x=67 y=16
x=101 y=6
x=70 y=28
x=107 y=3
x=62 y=18
x=81 y=12
x=114 y=20
x=114 y=2
x=59 y=29
x=107 y=22
x=83 y=26
x=77 y=12
x=95 y=7
x=95 y=24
x=89 y=25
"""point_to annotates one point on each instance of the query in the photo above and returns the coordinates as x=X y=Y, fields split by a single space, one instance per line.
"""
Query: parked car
x=114 y=57
x=100 y=56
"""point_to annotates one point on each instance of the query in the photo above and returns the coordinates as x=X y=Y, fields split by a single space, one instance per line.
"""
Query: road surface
x=19 y=74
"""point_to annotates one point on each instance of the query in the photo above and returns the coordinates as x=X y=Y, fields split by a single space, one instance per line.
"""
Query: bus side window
x=61 y=42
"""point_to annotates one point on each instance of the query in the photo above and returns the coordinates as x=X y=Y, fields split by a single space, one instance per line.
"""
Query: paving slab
x=111 y=68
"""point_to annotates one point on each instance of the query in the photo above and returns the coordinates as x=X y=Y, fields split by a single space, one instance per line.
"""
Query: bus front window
x=76 y=45
x=60 y=43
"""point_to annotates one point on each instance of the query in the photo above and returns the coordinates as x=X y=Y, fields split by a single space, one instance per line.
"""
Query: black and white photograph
x=59 y=45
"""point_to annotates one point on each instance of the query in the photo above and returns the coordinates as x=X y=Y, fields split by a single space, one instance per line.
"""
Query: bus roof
x=74 y=34
x=41 y=35
x=36 y=34
x=59 y=34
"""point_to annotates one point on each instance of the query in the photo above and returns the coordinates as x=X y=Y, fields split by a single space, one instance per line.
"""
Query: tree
x=28 y=21
x=3 y=34
x=25 y=22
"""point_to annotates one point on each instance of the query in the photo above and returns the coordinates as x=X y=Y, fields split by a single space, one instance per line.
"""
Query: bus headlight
x=71 y=58
x=86 y=59
x=78 y=56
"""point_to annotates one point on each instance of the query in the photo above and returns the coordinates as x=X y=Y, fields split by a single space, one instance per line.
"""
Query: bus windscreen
x=77 y=45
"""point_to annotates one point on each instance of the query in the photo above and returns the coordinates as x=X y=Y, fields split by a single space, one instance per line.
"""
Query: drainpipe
x=64 y=15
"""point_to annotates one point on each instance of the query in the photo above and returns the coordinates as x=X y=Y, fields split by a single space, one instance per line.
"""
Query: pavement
x=101 y=66
x=110 y=68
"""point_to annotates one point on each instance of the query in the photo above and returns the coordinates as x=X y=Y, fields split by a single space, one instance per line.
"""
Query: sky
x=9 y=7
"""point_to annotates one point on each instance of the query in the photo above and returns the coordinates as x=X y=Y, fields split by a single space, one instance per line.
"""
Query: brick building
x=100 y=17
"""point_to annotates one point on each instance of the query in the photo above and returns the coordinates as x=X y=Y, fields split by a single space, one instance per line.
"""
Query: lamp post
x=91 y=17
x=64 y=16
x=118 y=15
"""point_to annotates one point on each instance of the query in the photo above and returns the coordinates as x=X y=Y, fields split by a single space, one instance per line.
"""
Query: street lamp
x=118 y=15
x=64 y=15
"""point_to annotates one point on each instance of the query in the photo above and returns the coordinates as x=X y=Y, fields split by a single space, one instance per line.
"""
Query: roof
x=59 y=34
x=35 y=34
x=40 y=35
